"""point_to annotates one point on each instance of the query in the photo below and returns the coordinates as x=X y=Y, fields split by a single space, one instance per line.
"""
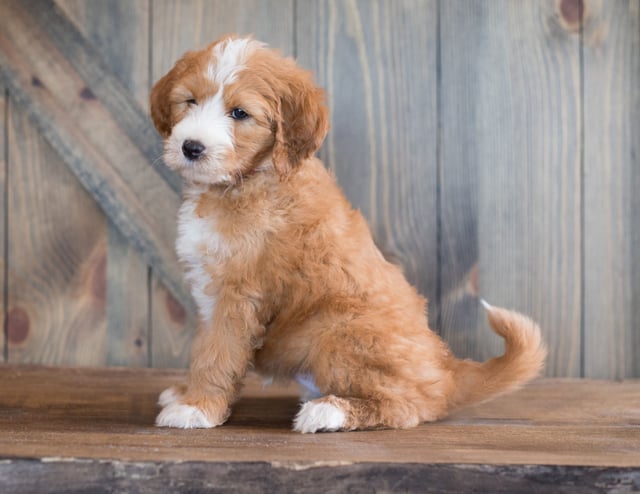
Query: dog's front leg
x=221 y=354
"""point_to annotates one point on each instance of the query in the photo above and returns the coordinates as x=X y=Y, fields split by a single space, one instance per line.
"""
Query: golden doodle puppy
x=284 y=271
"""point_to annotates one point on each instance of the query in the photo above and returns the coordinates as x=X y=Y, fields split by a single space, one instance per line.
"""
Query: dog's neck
x=253 y=181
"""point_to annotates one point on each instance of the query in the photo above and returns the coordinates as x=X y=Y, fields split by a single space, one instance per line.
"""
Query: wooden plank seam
x=112 y=194
x=96 y=173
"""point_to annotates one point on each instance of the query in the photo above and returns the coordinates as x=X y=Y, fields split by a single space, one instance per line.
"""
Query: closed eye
x=238 y=114
x=191 y=102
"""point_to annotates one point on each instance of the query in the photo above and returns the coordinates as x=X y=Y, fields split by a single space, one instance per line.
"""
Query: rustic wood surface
x=57 y=251
x=528 y=164
x=191 y=24
x=99 y=148
x=459 y=89
x=57 y=31
x=4 y=108
x=492 y=145
x=611 y=185
x=109 y=414
x=110 y=476
x=119 y=31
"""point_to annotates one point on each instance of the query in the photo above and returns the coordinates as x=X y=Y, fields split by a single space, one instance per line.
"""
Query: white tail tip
x=486 y=304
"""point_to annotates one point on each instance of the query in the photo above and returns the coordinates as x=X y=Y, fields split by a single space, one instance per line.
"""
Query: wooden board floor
x=53 y=415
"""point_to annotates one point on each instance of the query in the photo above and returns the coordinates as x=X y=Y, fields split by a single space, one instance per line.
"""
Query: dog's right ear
x=160 y=99
x=160 y=103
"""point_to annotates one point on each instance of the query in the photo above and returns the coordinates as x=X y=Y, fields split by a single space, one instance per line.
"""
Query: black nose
x=192 y=149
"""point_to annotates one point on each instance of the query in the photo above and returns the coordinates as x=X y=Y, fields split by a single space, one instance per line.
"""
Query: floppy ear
x=302 y=119
x=160 y=105
x=160 y=98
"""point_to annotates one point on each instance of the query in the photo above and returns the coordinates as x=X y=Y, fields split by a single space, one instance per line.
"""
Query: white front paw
x=176 y=414
x=182 y=416
x=314 y=416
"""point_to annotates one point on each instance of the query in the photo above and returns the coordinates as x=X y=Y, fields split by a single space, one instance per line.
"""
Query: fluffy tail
x=522 y=361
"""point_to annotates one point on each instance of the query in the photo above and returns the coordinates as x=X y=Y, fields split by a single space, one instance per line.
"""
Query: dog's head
x=236 y=107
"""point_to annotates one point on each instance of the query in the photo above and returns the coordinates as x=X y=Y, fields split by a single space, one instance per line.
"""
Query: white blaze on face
x=229 y=59
x=209 y=121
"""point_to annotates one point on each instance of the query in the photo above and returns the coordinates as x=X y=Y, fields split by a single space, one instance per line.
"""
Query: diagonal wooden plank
x=86 y=134
x=119 y=31
x=48 y=20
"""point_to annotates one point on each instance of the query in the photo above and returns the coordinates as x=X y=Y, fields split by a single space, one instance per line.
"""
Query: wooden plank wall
x=120 y=31
x=492 y=145
x=522 y=142
x=4 y=112
x=611 y=184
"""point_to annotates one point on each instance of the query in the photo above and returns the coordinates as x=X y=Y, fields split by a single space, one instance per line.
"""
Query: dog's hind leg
x=333 y=413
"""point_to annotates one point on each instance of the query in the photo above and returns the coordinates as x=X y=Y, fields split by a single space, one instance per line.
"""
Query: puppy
x=285 y=274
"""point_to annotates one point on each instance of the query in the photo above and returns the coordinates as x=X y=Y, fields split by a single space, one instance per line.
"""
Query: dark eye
x=238 y=114
x=191 y=102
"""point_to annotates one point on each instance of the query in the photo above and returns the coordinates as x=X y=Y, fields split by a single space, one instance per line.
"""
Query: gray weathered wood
x=3 y=217
x=527 y=137
x=191 y=24
x=178 y=27
x=508 y=184
x=93 y=144
x=377 y=62
x=45 y=17
x=611 y=185
x=40 y=477
x=460 y=69
x=56 y=253
x=128 y=306
x=119 y=31
x=173 y=328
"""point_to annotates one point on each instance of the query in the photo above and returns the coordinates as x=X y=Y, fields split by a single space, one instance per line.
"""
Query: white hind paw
x=318 y=416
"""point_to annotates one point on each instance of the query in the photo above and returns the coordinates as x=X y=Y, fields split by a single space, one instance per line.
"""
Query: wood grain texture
x=57 y=256
x=95 y=146
x=191 y=24
x=176 y=28
x=109 y=414
x=4 y=109
x=377 y=62
x=460 y=71
x=172 y=328
x=469 y=110
x=611 y=184
x=52 y=476
x=47 y=19
x=526 y=127
x=119 y=31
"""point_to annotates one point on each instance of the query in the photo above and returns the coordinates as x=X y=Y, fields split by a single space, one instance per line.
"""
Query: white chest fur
x=199 y=247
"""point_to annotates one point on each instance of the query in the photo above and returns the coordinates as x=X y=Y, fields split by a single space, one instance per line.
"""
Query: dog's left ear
x=302 y=119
